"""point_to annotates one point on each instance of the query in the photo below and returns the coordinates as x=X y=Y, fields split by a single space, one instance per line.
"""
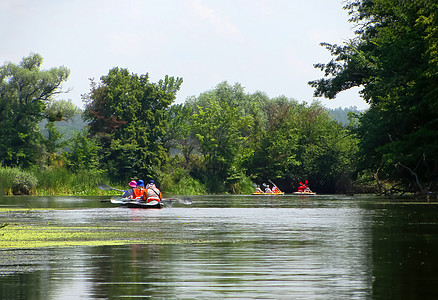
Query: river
x=224 y=247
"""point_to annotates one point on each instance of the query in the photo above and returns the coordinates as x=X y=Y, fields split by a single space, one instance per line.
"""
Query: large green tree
x=221 y=130
x=127 y=115
x=25 y=94
x=394 y=59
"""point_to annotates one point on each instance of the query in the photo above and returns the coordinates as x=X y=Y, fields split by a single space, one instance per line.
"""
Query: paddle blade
x=185 y=201
x=104 y=187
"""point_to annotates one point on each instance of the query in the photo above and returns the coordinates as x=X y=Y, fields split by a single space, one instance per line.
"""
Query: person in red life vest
x=137 y=192
x=152 y=193
x=301 y=188
x=128 y=193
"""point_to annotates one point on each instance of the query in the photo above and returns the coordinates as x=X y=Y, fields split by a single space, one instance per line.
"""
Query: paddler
x=258 y=189
x=151 y=193
x=129 y=192
x=303 y=188
x=275 y=189
x=137 y=192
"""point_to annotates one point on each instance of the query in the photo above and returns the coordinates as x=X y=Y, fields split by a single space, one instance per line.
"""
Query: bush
x=176 y=180
x=17 y=182
x=243 y=185
x=24 y=183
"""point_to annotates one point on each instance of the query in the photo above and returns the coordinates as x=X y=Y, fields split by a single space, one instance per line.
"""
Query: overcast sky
x=265 y=45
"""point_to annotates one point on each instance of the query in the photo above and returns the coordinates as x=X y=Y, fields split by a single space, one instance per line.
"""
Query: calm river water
x=235 y=247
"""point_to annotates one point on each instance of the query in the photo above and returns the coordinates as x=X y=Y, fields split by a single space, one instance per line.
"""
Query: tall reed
x=60 y=181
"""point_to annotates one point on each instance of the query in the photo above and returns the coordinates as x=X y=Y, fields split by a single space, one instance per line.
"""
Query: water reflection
x=323 y=247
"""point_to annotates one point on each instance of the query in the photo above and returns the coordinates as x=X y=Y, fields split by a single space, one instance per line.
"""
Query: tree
x=178 y=130
x=127 y=115
x=394 y=59
x=25 y=93
x=83 y=153
x=56 y=111
x=222 y=134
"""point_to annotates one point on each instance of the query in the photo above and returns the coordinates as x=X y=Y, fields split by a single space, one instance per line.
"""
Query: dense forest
x=226 y=140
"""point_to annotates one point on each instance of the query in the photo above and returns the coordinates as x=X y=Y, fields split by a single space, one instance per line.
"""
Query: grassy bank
x=52 y=181
x=59 y=181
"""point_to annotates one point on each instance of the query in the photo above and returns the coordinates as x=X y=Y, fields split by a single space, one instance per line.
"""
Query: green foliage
x=16 y=181
x=82 y=153
x=25 y=92
x=393 y=58
x=127 y=116
x=221 y=130
x=61 y=181
x=232 y=138
x=178 y=130
x=61 y=110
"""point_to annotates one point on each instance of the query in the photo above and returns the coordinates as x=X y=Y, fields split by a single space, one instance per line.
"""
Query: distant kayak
x=136 y=204
x=271 y=194
x=304 y=193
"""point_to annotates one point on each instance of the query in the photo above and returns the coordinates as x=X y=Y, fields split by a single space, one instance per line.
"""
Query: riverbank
x=61 y=182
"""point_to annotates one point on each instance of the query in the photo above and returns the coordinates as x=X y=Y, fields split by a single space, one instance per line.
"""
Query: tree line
x=226 y=140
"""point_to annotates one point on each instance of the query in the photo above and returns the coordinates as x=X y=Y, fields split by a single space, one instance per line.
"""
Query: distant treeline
x=67 y=128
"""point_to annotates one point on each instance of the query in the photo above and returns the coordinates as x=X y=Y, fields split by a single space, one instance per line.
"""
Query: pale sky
x=265 y=45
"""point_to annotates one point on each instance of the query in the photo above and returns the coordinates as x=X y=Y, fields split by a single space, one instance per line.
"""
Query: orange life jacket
x=137 y=193
x=152 y=194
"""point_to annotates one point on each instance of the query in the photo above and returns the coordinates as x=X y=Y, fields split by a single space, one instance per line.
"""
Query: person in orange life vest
x=128 y=193
x=138 y=190
x=152 y=193
x=275 y=189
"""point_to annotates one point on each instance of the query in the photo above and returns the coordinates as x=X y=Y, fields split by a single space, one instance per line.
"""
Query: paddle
x=106 y=187
x=185 y=201
x=273 y=184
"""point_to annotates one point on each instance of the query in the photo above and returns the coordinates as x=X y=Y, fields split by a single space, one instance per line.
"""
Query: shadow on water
x=283 y=247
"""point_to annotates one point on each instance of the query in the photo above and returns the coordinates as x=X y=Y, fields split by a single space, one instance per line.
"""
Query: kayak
x=304 y=193
x=272 y=194
x=137 y=204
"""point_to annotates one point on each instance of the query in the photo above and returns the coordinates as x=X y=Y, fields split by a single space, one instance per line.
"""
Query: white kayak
x=132 y=203
x=304 y=193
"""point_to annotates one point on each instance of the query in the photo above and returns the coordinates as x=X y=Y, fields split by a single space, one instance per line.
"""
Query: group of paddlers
x=303 y=188
x=139 y=192
x=268 y=190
